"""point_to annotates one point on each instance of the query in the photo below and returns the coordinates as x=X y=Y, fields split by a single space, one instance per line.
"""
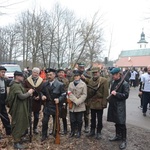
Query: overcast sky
x=126 y=17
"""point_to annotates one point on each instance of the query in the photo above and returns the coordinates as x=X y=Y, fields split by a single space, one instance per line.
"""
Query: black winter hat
x=3 y=68
x=18 y=73
x=77 y=73
x=50 y=70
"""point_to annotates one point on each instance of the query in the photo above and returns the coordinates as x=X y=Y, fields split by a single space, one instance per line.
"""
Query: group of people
x=82 y=94
x=144 y=90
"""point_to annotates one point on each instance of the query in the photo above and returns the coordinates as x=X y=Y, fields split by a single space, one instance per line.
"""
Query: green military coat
x=97 y=99
x=18 y=110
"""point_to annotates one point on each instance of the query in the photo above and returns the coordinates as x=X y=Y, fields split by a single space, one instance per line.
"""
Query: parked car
x=11 y=68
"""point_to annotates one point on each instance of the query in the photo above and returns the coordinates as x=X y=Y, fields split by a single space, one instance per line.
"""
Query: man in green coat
x=18 y=104
x=97 y=101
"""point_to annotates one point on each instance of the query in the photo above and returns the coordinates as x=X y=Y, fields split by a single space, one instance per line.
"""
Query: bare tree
x=53 y=39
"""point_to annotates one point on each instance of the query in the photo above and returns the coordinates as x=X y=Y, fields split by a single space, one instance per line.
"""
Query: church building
x=136 y=57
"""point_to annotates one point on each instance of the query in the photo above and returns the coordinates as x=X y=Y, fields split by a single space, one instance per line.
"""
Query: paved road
x=134 y=114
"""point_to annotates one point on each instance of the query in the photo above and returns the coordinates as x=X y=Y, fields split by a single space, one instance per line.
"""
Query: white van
x=11 y=68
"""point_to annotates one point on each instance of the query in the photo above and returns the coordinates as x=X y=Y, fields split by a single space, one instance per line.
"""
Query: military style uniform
x=97 y=101
x=18 y=104
x=51 y=91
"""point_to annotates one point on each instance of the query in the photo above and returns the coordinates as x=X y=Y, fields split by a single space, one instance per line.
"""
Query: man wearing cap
x=77 y=94
x=81 y=68
x=61 y=78
x=35 y=82
x=18 y=104
x=3 y=93
x=97 y=94
x=117 y=107
x=53 y=93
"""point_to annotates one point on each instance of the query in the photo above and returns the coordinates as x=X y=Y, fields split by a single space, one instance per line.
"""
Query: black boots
x=115 y=138
x=121 y=134
x=17 y=145
x=35 y=123
x=64 y=125
x=78 y=135
x=35 y=131
x=98 y=136
x=123 y=144
x=92 y=133
x=73 y=127
x=86 y=129
x=72 y=130
x=44 y=137
x=71 y=134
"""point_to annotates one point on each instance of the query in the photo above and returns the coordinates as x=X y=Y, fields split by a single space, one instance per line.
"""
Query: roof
x=139 y=61
x=142 y=41
x=136 y=52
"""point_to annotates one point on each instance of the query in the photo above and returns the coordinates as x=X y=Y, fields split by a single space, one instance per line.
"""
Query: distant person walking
x=133 y=78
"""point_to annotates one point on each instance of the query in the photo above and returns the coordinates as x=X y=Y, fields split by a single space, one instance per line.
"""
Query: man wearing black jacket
x=53 y=93
x=117 y=108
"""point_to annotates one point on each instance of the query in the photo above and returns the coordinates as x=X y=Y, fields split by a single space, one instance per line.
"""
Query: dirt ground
x=138 y=139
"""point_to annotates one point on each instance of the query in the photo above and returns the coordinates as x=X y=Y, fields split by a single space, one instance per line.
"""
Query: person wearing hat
x=81 y=68
x=53 y=92
x=65 y=81
x=117 y=107
x=3 y=94
x=97 y=94
x=35 y=82
x=77 y=94
x=84 y=74
x=18 y=108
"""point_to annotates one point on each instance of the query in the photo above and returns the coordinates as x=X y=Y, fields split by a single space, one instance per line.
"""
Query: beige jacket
x=78 y=96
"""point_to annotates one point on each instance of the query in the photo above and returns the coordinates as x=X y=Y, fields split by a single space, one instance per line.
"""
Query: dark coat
x=28 y=84
x=127 y=78
x=63 y=113
x=57 y=90
x=117 y=104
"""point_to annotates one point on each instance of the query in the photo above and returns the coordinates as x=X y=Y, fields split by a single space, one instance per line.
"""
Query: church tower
x=142 y=42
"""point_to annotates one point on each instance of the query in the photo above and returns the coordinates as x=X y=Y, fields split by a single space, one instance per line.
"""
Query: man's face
x=81 y=68
x=51 y=76
x=148 y=70
x=116 y=76
x=35 y=74
x=19 y=78
x=2 y=73
x=77 y=77
x=61 y=74
x=96 y=74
